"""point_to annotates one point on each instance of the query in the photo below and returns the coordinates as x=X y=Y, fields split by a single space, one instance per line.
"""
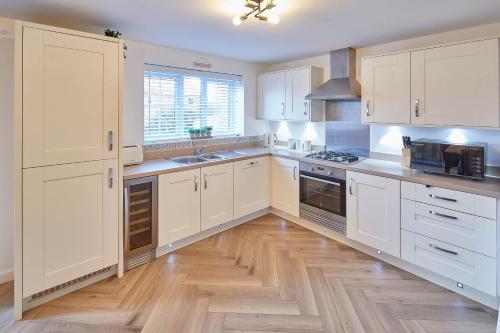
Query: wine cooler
x=140 y=220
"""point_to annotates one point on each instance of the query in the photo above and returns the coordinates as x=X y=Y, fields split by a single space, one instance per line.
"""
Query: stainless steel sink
x=211 y=157
x=188 y=159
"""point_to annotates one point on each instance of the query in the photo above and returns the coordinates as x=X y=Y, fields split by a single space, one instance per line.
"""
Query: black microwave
x=456 y=159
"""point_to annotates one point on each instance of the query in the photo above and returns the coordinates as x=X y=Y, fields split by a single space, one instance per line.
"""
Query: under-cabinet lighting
x=460 y=285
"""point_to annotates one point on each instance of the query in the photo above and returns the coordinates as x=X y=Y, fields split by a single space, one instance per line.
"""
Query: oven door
x=322 y=201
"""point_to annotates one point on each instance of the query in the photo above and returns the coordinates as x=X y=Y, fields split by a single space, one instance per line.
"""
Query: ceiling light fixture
x=258 y=9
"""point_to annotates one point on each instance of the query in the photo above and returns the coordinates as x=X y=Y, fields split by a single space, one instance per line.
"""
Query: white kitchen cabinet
x=70 y=222
x=178 y=205
x=70 y=98
x=216 y=195
x=272 y=95
x=386 y=89
x=373 y=211
x=456 y=85
x=451 y=85
x=251 y=186
x=282 y=95
x=285 y=185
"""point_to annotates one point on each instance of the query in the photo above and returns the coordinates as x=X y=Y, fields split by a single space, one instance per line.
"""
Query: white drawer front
x=408 y=246
x=486 y=236
x=459 y=201
x=486 y=268
x=450 y=261
x=449 y=226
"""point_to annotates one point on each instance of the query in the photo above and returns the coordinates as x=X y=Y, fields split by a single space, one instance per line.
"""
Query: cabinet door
x=298 y=85
x=251 y=186
x=70 y=222
x=216 y=195
x=456 y=85
x=178 y=205
x=373 y=211
x=386 y=89
x=272 y=95
x=70 y=98
x=285 y=185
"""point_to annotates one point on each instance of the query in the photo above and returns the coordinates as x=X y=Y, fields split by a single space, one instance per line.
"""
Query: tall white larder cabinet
x=70 y=167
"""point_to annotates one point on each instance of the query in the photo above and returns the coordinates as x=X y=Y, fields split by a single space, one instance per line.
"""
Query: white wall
x=380 y=134
x=140 y=53
x=6 y=150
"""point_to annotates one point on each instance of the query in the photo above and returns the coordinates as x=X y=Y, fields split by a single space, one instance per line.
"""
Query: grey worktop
x=488 y=187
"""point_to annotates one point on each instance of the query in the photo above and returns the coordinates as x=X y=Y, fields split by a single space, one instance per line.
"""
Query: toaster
x=132 y=155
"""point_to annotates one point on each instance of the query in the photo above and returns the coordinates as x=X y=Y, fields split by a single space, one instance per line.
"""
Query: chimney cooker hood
x=342 y=85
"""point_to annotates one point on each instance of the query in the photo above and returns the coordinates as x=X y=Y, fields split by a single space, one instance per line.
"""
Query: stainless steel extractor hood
x=342 y=85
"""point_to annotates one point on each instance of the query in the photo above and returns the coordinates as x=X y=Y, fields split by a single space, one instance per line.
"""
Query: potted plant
x=192 y=132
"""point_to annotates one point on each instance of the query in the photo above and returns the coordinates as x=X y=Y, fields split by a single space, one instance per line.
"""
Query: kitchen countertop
x=488 y=187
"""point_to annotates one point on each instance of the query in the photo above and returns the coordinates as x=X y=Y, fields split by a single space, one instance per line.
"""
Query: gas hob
x=334 y=156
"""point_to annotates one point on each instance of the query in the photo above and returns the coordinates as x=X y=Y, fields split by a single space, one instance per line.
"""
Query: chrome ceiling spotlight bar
x=257 y=9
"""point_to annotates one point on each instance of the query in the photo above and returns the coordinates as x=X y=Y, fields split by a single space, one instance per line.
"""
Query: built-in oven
x=323 y=196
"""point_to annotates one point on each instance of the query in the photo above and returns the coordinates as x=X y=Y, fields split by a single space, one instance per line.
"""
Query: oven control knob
x=312 y=169
x=330 y=173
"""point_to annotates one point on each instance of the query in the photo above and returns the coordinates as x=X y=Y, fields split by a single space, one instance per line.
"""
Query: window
x=178 y=99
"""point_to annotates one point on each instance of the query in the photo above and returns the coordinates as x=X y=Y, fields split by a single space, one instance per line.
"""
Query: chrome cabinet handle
x=442 y=198
x=350 y=186
x=282 y=109
x=196 y=183
x=305 y=108
x=110 y=177
x=206 y=180
x=253 y=163
x=417 y=108
x=110 y=140
x=443 y=250
x=443 y=215
x=294 y=172
x=367 y=108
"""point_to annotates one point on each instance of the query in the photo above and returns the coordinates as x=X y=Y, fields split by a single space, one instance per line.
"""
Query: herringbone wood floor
x=269 y=275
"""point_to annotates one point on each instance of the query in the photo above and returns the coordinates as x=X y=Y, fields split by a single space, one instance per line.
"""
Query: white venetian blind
x=177 y=99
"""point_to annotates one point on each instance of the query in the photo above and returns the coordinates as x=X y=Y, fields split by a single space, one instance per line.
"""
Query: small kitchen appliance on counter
x=456 y=159
x=132 y=155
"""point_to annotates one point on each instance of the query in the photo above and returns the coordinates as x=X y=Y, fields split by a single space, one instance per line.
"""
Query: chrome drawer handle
x=443 y=215
x=195 y=183
x=110 y=177
x=294 y=173
x=206 y=180
x=367 y=108
x=442 y=198
x=110 y=140
x=253 y=163
x=443 y=250
x=350 y=186
x=417 y=108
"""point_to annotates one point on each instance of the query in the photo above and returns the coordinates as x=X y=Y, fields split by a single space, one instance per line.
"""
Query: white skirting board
x=471 y=293
x=6 y=275
x=210 y=232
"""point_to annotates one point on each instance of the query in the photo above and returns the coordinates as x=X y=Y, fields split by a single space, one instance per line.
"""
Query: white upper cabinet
x=453 y=85
x=178 y=205
x=456 y=85
x=251 y=186
x=70 y=222
x=272 y=95
x=386 y=89
x=216 y=195
x=282 y=95
x=285 y=185
x=70 y=98
x=373 y=211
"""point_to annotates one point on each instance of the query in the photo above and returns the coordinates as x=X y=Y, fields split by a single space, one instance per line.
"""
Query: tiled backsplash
x=156 y=147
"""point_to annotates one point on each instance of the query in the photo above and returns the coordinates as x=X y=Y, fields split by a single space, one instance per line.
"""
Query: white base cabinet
x=70 y=222
x=285 y=185
x=251 y=186
x=178 y=205
x=373 y=211
x=451 y=233
x=216 y=195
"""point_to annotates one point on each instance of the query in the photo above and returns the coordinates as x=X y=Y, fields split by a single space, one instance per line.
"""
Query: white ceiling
x=308 y=27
